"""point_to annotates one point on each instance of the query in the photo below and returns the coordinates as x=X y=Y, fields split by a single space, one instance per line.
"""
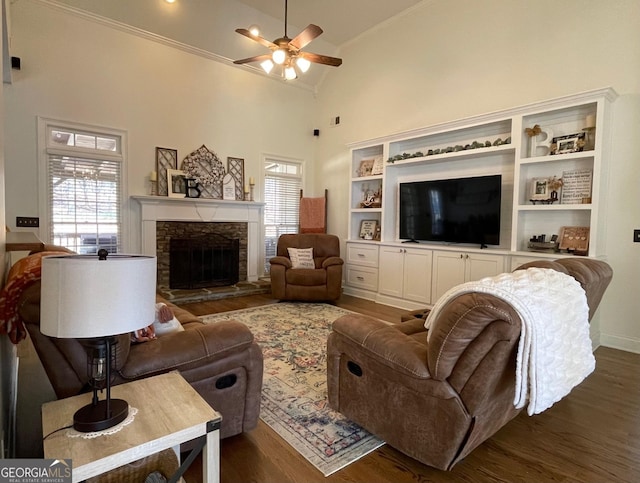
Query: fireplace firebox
x=210 y=260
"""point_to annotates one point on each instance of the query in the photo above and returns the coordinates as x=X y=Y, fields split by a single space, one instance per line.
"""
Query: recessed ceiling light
x=170 y=1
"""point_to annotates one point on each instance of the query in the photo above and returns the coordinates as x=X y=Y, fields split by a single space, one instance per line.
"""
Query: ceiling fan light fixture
x=303 y=64
x=267 y=66
x=279 y=56
x=290 y=73
x=254 y=29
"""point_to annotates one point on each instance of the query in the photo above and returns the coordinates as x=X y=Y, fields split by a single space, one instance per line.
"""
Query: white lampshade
x=82 y=296
x=266 y=65
x=279 y=56
x=290 y=73
x=303 y=64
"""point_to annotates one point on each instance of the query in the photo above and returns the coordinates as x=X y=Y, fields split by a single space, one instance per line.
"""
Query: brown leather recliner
x=221 y=361
x=322 y=283
x=384 y=377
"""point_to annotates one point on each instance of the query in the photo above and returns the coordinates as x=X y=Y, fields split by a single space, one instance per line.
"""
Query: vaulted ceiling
x=209 y=25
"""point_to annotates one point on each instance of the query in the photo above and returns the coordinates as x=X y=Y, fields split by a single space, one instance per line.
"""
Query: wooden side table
x=170 y=412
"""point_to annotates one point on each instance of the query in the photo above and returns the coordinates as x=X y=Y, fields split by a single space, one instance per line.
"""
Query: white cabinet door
x=453 y=268
x=448 y=271
x=479 y=265
x=391 y=271
x=417 y=275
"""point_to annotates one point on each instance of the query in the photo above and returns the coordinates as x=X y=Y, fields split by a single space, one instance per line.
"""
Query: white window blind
x=84 y=176
x=282 y=184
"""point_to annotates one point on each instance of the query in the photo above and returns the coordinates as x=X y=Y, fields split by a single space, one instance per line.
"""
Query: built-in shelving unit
x=518 y=144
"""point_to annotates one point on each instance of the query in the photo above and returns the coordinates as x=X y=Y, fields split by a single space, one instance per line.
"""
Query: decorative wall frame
x=206 y=168
x=165 y=159
x=176 y=183
x=235 y=167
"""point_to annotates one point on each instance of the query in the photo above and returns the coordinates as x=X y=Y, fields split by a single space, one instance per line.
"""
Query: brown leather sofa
x=382 y=376
x=322 y=283
x=221 y=361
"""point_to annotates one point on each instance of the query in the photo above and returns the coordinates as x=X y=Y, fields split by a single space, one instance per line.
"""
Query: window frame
x=45 y=148
x=270 y=158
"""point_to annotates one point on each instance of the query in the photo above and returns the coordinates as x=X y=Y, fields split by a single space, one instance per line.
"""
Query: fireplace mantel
x=162 y=208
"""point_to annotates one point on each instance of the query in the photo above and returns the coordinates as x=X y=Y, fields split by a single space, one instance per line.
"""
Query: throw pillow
x=301 y=257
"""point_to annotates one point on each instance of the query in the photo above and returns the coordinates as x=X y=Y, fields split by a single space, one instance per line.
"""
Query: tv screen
x=461 y=210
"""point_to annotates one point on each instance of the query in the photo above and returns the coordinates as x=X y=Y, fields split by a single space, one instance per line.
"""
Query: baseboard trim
x=627 y=344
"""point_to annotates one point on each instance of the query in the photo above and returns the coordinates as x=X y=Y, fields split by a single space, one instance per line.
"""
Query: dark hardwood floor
x=592 y=435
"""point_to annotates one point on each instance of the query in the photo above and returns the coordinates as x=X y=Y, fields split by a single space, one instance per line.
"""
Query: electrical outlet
x=334 y=121
x=636 y=236
x=27 y=221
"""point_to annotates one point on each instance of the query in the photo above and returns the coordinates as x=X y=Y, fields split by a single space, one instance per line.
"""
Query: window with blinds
x=84 y=177
x=282 y=185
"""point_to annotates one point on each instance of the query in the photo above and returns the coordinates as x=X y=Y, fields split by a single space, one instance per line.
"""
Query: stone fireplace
x=198 y=254
x=197 y=217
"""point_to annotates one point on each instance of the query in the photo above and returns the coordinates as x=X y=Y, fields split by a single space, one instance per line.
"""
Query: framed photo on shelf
x=368 y=229
x=365 y=168
x=540 y=189
x=571 y=143
x=177 y=185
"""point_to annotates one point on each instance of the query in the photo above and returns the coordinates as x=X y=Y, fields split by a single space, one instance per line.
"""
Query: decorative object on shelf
x=176 y=183
x=252 y=185
x=165 y=159
x=575 y=239
x=590 y=132
x=555 y=184
x=228 y=187
x=571 y=143
x=378 y=233
x=153 y=182
x=539 y=140
x=235 y=167
x=192 y=189
x=368 y=229
x=539 y=244
x=378 y=166
x=205 y=167
x=371 y=198
x=540 y=190
x=450 y=149
x=577 y=186
x=365 y=168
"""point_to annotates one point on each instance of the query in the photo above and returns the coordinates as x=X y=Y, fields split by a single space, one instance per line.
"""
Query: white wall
x=446 y=60
x=78 y=70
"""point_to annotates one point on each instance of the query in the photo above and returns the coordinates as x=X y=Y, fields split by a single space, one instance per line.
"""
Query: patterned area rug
x=293 y=337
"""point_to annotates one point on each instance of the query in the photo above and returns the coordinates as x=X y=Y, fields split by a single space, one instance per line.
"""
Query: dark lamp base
x=95 y=418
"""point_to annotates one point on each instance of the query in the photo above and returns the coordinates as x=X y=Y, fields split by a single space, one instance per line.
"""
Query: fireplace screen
x=203 y=261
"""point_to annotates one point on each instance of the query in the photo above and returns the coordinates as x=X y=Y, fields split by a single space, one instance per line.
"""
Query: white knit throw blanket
x=554 y=351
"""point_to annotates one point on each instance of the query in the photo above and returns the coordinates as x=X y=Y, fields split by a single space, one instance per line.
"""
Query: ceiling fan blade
x=306 y=36
x=321 y=59
x=256 y=58
x=257 y=38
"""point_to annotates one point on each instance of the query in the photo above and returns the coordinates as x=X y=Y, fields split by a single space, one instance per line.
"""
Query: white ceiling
x=341 y=20
x=209 y=25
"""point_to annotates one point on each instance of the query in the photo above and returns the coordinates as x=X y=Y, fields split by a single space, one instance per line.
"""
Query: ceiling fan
x=288 y=52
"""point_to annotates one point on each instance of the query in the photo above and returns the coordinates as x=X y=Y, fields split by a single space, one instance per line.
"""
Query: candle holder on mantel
x=251 y=188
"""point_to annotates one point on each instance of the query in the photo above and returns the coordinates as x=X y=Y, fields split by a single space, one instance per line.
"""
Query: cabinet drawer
x=362 y=277
x=365 y=255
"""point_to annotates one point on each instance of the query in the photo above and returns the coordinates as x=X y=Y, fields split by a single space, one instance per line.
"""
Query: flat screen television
x=460 y=210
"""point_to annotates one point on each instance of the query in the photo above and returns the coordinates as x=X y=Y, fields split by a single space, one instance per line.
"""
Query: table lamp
x=93 y=299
